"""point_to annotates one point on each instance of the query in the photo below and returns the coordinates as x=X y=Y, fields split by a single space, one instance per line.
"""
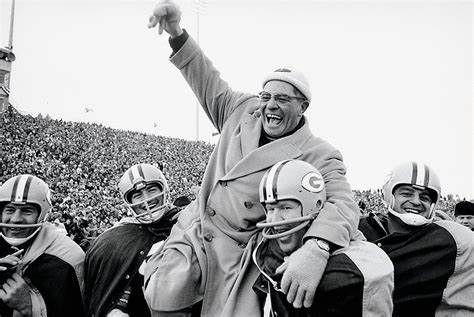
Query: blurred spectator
x=464 y=213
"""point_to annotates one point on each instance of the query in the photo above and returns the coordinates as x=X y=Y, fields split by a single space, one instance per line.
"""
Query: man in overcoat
x=208 y=253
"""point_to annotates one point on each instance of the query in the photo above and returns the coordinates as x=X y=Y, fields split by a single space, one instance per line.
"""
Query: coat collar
x=258 y=158
x=41 y=242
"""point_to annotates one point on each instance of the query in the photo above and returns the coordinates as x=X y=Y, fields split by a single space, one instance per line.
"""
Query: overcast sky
x=391 y=80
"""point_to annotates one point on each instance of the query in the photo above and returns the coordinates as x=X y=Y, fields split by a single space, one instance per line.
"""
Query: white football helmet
x=418 y=175
x=296 y=180
x=22 y=189
x=138 y=177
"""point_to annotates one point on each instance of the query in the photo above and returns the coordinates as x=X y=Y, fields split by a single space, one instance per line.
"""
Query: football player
x=34 y=255
x=358 y=280
x=113 y=278
x=433 y=260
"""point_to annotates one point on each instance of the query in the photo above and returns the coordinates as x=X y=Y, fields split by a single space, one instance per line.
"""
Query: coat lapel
x=250 y=134
x=258 y=158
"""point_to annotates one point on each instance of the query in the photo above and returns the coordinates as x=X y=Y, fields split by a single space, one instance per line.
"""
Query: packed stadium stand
x=82 y=162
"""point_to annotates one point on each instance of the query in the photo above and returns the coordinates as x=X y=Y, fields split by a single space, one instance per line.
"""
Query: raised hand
x=167 y=15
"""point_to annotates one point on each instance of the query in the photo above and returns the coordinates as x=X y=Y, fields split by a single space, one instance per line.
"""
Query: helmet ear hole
x=433 y=195
x=128 y=197
x=319 y=204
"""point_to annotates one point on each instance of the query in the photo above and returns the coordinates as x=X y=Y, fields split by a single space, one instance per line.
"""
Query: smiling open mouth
x=413 y=211
x=16 y=232
x=273 y=119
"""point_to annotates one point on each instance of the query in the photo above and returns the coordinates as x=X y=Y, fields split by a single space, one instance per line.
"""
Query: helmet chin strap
x=413 y=219
x=19 y=241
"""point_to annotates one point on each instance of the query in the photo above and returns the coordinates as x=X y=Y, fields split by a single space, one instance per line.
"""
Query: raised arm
x=214 y=94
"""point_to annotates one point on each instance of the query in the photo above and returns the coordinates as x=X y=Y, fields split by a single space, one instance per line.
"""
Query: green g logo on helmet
x=296 y=180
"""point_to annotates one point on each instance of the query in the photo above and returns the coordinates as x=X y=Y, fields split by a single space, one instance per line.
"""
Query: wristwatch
x=323 y=244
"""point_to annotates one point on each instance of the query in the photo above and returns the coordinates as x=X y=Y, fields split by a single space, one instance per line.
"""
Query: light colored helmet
x=418 y=175
x=296 y=180
x=138 y=177
x=22 y=189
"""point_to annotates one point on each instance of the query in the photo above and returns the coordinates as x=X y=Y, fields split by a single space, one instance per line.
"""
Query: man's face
x=285 y=210
x=466 y=220
x=24 y=214
x=144 y=194
x=410 y=199
x=283 y=116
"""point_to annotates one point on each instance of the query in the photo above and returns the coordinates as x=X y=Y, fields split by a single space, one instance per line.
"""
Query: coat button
x=379 y=244
x=142 y=253
x=127 y=277
x=208 y=237
x=211 y=212
x=248 y=204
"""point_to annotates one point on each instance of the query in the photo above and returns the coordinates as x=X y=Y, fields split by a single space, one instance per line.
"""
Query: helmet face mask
x=291 y=180
x=19 y=220
x=420 y=178
x=146 y=200
x=145 y=191
x=23 y=192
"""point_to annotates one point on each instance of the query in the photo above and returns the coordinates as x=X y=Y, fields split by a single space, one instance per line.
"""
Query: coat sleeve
x=214 y=94
x=338 y=220
x=459 y=292
x=179 y=267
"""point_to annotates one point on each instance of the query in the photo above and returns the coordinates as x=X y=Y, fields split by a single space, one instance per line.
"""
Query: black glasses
x=279 y=98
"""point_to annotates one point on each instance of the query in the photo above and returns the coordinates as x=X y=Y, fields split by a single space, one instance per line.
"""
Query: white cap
x=291 y=76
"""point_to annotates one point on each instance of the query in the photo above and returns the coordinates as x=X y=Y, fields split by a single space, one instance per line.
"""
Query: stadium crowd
x=83 y=161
